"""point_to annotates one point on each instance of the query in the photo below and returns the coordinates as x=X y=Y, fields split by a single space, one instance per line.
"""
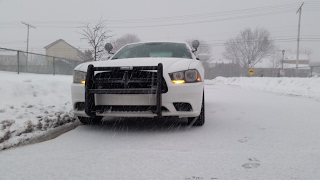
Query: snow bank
x=31 y=105
x=304 y=87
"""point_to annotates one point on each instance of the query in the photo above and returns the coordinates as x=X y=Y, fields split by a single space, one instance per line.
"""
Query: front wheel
x=89 y=120
x=200 y=119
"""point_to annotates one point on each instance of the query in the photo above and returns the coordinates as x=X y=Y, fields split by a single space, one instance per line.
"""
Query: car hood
x=169 y=64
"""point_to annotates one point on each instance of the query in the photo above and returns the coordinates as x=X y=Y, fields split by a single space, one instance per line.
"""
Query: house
x=64 y=50
x=291 y=59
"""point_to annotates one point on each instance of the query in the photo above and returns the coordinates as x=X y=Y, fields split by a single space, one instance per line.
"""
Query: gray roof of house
x=291 y=56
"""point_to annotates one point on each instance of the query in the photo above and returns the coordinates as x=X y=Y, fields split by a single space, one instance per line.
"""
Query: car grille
x=128 y=79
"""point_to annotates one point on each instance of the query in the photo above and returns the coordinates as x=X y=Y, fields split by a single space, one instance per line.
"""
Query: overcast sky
x=213 y=21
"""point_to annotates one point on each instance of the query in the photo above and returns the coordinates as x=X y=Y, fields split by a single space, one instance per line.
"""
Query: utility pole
x=298 y=40
x=283 y=51
x=28 y=26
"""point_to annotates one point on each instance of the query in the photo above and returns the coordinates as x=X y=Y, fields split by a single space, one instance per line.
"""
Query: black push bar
x=92 y=82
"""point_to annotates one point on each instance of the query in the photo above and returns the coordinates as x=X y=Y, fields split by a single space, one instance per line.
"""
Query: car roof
x=144 y=42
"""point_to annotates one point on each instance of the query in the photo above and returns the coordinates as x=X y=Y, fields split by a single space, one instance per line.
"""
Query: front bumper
x=106 y=102
x=188 y=93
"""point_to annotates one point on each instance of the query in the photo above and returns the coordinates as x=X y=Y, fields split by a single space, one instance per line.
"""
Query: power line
x=289 y=6
x=199 y=22
x=206 y=15
x=197 y=18
x=270 y=9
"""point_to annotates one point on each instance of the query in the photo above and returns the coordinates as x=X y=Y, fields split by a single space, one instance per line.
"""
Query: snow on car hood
x=169 y=64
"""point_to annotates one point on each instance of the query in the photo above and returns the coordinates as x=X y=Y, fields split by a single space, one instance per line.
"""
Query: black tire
x=87 y=120
x=201 y=118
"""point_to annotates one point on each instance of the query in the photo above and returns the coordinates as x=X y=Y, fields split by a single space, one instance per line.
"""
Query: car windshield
x=154 y=50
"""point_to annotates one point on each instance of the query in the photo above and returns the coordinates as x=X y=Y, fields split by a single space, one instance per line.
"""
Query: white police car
x=145 y=79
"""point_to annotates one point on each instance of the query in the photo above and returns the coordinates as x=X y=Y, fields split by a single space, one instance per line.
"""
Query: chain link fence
x=315 y=70
x=20 y=61
x=235 y=70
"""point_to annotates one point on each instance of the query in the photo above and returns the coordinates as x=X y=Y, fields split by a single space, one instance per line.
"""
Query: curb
x=45 y=136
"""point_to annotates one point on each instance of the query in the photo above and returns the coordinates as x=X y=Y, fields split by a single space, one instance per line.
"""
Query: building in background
x=62 y=49
x=291 y=59
x=271 y=68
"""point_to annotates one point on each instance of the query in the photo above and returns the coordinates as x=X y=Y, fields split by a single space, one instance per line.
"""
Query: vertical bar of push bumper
x=159 y=89
x=89 y=97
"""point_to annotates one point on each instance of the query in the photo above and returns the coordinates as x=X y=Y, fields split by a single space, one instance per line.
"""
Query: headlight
x=178 y=75
x=188 y=76
x=79 y=77
x=191 y=75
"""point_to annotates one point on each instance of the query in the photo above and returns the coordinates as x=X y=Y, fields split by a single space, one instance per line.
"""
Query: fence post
x=18 y=52
x=54 y=69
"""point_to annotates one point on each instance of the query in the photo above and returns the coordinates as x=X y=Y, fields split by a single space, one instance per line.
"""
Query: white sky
x=213 y=21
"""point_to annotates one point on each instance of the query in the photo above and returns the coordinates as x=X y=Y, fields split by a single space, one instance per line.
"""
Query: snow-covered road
x=248 y=135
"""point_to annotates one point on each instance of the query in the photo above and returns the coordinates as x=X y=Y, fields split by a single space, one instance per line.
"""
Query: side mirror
x=108 y=47
x=195 y=45
x=203 y=57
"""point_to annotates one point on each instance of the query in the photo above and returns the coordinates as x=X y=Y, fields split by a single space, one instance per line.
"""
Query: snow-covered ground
x=248 y=135
x=31 y=105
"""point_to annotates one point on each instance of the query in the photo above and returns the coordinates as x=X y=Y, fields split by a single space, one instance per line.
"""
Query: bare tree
x=275 y=60
x=96 y=37
x=249 y=47
x=125 y=39
x=87 y=56
x=306 y=51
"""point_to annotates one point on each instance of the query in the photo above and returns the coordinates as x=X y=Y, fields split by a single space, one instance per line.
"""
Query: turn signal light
x=178 y=81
